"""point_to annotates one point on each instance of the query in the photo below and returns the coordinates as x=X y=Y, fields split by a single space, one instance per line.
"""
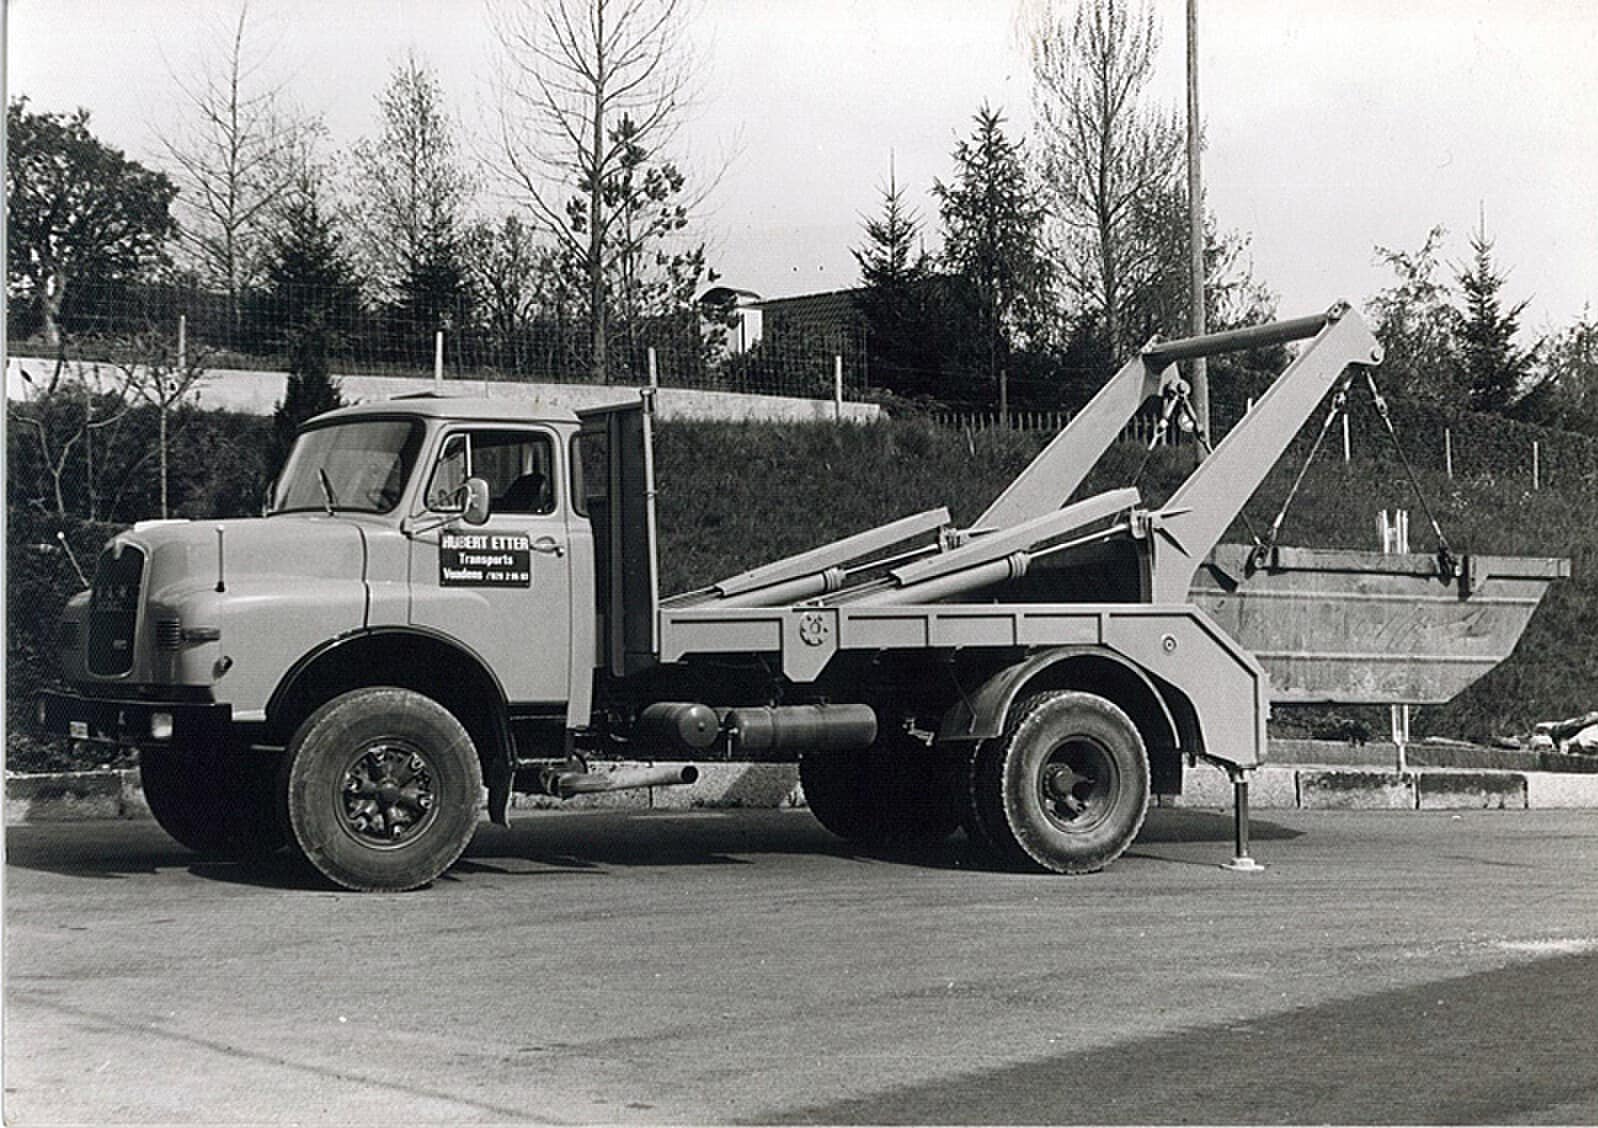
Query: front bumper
x=132 y=722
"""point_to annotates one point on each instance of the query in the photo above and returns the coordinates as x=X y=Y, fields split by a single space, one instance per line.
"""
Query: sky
x=1332 y=128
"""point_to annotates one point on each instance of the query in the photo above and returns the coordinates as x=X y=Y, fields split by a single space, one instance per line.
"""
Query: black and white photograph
x=778 y=562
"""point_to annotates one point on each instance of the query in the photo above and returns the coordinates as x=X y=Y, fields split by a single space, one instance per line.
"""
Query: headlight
x=161 y=726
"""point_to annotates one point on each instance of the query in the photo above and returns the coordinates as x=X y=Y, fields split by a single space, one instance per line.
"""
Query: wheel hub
x=387 y=795
x=1076 y=784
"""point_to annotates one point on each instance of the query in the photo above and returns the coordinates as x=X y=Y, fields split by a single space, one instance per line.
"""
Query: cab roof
x=430 y=405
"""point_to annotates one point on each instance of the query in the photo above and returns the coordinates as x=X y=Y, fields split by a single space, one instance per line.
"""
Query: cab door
x=503 y=588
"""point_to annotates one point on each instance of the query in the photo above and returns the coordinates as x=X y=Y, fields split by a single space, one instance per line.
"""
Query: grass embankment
x=736 y=495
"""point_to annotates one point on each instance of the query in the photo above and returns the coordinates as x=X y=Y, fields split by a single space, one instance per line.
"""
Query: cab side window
x=517 y=465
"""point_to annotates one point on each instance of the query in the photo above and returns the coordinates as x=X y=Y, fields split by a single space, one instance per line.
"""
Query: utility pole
x=1195 y=223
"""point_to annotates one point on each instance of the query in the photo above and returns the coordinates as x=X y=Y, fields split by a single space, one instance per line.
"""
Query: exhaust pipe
x=566 y=784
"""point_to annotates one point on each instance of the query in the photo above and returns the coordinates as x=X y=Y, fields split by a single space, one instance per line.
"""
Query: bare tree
x=77 y=401
x=163 y=373
x=413 y=191
x=1107 y=152
x=588 y=90
x=233 y=158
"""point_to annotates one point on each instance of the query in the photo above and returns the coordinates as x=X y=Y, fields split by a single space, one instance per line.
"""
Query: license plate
x=78 y=730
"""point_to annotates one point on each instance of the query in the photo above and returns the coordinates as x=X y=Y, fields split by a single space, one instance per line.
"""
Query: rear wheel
x=218 y=804
x=1065 y=788
x=383 y=789
x=883 y=796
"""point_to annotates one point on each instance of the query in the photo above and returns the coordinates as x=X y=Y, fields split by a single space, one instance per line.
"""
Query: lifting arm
x=1190 y=524
x=1060 y=467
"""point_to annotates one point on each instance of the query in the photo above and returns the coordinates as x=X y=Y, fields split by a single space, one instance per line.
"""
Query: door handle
x=549 y=546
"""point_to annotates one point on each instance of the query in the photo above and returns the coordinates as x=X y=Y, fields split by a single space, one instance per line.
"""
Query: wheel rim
x=1077 y=785
x=387 y=797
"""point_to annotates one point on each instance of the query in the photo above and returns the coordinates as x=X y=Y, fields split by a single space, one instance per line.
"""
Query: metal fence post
x=1394 y=532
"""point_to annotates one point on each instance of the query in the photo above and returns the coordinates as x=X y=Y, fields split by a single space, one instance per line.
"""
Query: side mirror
x=475 y=511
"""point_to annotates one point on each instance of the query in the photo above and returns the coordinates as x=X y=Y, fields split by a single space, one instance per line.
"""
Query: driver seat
x=527 y=494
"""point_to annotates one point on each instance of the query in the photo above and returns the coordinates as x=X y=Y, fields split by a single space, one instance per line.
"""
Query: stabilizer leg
x=1241 y=862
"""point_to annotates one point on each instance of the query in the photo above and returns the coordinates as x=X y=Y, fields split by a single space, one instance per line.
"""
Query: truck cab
x=438 y=545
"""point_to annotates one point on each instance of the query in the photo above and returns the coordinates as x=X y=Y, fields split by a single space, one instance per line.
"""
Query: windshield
x=358 y=467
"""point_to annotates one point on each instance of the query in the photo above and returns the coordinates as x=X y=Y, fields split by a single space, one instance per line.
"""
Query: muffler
x=566 y=784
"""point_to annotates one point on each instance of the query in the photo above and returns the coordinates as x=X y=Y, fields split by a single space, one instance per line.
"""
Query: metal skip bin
x=1348 y=627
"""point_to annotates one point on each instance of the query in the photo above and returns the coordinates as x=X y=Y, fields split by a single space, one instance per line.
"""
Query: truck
x=451 y=601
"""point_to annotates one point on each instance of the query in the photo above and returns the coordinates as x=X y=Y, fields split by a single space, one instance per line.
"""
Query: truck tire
x=220 y=805
x=383 y=789
x=882 y=796
x=1065 y=788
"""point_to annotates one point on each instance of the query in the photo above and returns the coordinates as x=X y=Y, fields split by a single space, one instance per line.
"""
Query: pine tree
x=1495 y=368
x=313 y=301
x=993 y=227
x=893 y=298
x=311 y=390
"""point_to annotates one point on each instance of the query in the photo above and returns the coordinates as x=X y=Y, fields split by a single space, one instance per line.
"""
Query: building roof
x=728 y=295
x=832 y=306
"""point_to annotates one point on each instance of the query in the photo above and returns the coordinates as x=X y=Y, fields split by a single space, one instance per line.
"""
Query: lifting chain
x=1264 y=548
x=1447 y=565
x=1175 y=399
x=1178 y=404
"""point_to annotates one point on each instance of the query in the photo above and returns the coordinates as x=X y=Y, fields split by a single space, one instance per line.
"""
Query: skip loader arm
x=1184 y=531
x=1191 y=523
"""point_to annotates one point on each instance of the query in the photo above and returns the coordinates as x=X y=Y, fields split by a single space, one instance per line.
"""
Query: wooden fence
x=1141 y=429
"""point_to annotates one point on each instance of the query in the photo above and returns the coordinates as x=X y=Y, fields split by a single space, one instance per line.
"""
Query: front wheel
x=218 y=804
x=383 y=789
x=1065 y=788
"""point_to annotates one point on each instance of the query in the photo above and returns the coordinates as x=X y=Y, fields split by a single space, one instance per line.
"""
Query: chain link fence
x=709 y=349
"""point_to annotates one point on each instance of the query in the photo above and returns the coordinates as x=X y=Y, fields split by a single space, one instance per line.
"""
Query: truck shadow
x=1181 y=824
x=575 y=842
x=556 y=843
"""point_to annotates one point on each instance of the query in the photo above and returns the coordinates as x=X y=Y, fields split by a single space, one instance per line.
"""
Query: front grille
x=114 y=611
x=69 y=634
x=168 y=634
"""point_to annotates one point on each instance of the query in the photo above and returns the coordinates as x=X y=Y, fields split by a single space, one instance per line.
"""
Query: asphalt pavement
x=742 y=966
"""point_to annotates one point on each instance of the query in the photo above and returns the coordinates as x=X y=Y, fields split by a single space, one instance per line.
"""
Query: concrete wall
x=258 y=393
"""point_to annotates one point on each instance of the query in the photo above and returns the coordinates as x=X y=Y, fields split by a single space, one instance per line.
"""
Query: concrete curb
x=115 y=794
x=1375 y=789
x=74 y=796
x=1425 y=754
